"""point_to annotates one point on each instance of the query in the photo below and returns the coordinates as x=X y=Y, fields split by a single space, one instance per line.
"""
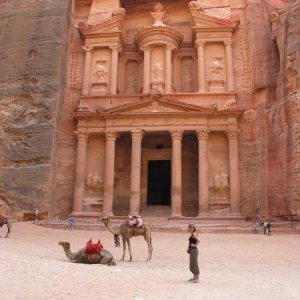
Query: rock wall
x=33 y=51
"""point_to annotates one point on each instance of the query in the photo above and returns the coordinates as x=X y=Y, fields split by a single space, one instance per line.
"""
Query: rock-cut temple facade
x=172 y=108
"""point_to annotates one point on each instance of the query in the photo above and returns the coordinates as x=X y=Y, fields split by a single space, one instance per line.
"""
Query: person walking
x=194 y=241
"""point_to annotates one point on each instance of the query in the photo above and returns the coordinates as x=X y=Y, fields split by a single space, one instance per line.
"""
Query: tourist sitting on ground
x=135 y=221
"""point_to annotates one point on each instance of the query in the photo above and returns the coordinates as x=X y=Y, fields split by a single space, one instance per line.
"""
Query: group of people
x=265 y=224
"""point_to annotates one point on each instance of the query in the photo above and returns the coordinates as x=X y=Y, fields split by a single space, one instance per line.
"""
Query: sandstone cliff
x=33 y=47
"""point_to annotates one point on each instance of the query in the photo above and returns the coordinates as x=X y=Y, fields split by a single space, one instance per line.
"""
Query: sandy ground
x=236 y=266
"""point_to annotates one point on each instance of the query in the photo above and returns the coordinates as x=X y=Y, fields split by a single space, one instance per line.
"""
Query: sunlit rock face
x=80 y=67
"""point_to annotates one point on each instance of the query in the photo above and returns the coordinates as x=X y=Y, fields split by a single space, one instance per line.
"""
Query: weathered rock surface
x=33 y=44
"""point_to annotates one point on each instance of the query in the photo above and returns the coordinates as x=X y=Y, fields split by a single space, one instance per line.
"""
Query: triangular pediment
x=200 y=20
x=156 y=106
x=112 y=25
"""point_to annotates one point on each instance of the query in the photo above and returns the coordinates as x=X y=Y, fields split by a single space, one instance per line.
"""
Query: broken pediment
x=156 y=106
x=115 y=24
x=200 y=20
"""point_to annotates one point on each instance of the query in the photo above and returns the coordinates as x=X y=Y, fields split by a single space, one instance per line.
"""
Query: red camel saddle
x=91 y=248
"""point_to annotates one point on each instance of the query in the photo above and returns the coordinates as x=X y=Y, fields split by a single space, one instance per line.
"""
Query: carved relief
x=131 y=77
x=221 y=181
x=158 y=14
x=101 y=72
x=158 y=71
x=120 y=11
x=187 y=74
x=94 y=182
x=196 y=5
x=216 y=66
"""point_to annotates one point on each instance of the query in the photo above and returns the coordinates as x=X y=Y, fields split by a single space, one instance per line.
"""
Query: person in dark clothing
x=117 y=240
x=268 y=228
x=194 y=241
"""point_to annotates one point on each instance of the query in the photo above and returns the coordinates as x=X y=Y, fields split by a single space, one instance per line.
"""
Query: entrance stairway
x=162 y=224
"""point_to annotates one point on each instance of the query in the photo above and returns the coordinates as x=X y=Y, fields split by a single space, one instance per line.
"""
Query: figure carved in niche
x=188 y=80
x=157 y=71
x=221 y=181
x=158 y=14
x=216 y=65
x=273 y=20
x=131 y=86
x=196 y=5
x=94 y=182
x=100 y=71
x=119 y=11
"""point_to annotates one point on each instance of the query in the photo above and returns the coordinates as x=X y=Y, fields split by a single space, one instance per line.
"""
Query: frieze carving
x=158 y=14
x=94 y=182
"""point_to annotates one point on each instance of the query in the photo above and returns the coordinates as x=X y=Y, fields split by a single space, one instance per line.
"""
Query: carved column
x=82 y=138
x=109 y=173
x=176 y=174
x=201 y=66
x=147 y=58
x=168 y=70
x=203 y=171
x=234 y=171
x=87 y=70
x=114 y=68
x=229 y=66
x=135 y=188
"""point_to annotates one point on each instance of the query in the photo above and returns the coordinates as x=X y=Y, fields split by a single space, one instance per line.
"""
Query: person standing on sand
x=194 y=241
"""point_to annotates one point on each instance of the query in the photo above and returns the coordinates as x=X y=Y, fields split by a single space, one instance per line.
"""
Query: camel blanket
x=135 y=221
x=93 y=248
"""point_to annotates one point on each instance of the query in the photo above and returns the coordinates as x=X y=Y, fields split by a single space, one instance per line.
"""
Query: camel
x=104 y=257
x=4 y=220
x=127 y=233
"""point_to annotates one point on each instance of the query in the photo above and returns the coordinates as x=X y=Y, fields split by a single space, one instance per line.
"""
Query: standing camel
x=127 y=233
x=4 y=220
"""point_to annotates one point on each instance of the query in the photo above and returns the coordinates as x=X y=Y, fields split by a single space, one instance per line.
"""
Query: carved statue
x=131 y=83
x=157 y=71
x=100 y=71
x=196 y=5
x=216 y=65
x=188 y=79
x=119 y=11
x=273 y=20
x=221 y=181
x=94 y=182
x=158 y=14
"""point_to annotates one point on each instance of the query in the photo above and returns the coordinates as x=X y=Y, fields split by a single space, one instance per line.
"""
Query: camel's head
x=105 y=220
x=64 y=244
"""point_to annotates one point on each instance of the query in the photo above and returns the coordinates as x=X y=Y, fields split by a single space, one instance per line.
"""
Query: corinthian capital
x=81 y=135
x=177 y=134
x=232 y=134
x=87 y=48
x=111 y=135
x=202 y=134
x=137 y=134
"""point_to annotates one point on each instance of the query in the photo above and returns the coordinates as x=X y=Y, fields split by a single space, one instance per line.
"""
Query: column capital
x=146 y=48
x=200 y=43
x=111 y=135
x=115 y=47
x=137 y=133
x=87 y=48
x=228 y=43
x=232 y=134
x=81 y=135
x=202 y=134
x=170 y=47
x=176 y=134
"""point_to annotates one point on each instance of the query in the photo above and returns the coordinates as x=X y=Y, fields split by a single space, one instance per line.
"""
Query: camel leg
x=147 y=237
x=124 y=248
x=129 y=248
x=8 y=229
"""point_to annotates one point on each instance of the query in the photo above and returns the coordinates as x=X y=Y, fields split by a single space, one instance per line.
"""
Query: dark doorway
x=159 y=182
